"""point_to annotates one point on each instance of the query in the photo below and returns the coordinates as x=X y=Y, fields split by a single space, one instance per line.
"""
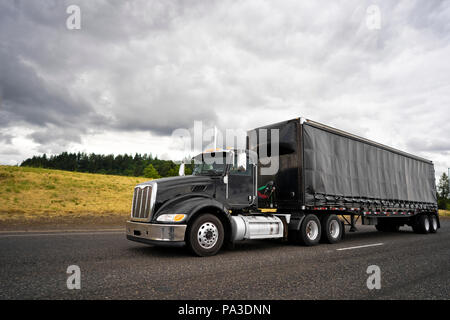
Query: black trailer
x=329 y=171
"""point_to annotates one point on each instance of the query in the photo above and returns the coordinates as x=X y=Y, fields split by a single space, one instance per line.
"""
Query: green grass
x=33 y=194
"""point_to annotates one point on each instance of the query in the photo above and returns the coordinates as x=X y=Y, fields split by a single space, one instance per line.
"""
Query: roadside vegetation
x=30 y=196
x=139 y=165
x=35 y=195
x=443 y=193
x=444 y=213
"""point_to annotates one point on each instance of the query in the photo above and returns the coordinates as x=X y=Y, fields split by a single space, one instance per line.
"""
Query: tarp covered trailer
x=323 y=168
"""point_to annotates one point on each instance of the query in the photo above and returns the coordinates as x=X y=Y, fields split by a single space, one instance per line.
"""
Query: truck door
x=240 y=186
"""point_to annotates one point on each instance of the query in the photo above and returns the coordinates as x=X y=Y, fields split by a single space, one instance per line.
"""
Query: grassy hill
x=54 y=198
x=31 y=196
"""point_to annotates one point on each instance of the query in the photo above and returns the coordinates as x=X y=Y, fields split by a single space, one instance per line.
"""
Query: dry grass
x=444 y=213
x=29 y=195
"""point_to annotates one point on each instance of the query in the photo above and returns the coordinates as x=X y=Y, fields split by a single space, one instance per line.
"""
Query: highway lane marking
x=60 y=230
x=60 y=234
x=363 y=246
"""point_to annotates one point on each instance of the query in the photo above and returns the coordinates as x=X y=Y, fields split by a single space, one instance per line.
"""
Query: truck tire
x=310 y=231
x=387 y=226
x=433 y=224
x=205 y=235
x=422 y=224
x=331 y=229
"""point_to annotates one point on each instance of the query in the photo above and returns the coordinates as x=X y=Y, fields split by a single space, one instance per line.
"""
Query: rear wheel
x=205 y=235
x=422 y=224
x=433 y=224
x=310 y=231
x=331 y=229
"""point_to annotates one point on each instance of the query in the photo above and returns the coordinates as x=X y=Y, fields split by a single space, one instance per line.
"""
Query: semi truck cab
x=217 y=204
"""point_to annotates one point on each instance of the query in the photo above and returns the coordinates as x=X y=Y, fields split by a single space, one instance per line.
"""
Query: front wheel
x=205 y=235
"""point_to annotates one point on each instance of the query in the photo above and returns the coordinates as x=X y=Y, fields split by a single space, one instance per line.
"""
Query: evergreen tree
x=443 y=192
x=151 y=172
x=443 y=187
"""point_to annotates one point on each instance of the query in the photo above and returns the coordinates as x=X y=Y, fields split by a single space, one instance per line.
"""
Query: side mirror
x=181 y=170
x=241 y=161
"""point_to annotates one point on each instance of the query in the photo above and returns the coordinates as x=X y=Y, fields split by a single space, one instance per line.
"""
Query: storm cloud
x=137 y=70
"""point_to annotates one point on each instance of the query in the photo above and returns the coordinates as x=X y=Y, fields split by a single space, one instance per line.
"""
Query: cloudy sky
x=137 y=70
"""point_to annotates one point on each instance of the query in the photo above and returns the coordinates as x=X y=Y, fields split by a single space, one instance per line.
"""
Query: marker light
x=171 y=217
x=179 y=217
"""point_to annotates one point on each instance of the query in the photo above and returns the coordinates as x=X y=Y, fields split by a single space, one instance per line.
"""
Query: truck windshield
x=210 y=164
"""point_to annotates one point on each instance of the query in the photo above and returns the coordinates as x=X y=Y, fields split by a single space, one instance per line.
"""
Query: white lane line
x=60 y=230
x=60 y=234
x=358 y=247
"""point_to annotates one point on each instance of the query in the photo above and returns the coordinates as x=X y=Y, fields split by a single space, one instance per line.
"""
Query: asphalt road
x=33 y=266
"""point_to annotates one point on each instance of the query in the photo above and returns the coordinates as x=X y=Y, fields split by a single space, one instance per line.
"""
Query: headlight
x=171 y=218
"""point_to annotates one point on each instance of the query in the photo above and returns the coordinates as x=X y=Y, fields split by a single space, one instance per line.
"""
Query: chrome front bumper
x=159 y=234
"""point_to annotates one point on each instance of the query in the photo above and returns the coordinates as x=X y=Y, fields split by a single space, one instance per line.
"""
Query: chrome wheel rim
x=334 y=229
x=427 y=224
x=434 y=222
x=312 y=230
x=207 y=235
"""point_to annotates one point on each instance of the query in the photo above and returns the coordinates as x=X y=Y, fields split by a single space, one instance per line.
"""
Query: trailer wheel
x=422 y=224
x=310 y=231
x=433 y=224
x=331 y=229
x=205 y=235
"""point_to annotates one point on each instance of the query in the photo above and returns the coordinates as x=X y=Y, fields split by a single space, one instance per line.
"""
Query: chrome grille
x=142 y=203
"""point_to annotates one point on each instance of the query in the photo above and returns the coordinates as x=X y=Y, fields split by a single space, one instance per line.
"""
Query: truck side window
x=235 y=172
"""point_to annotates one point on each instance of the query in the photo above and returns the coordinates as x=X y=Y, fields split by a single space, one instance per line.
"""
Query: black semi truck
x=326 y=179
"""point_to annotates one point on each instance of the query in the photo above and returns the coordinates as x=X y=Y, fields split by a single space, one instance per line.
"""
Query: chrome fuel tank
x=256 y=227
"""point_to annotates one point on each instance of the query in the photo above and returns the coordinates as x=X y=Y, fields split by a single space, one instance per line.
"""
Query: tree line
x=139 y=165
x=443 y=192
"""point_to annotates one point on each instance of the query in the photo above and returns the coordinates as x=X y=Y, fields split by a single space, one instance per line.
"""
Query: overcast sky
x=138 y=70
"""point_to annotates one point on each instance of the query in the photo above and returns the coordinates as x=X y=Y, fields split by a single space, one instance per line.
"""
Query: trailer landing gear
x=351 y=223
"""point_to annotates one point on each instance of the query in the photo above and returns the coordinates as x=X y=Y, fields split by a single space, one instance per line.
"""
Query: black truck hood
x=175 y=182
x=175 y=187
